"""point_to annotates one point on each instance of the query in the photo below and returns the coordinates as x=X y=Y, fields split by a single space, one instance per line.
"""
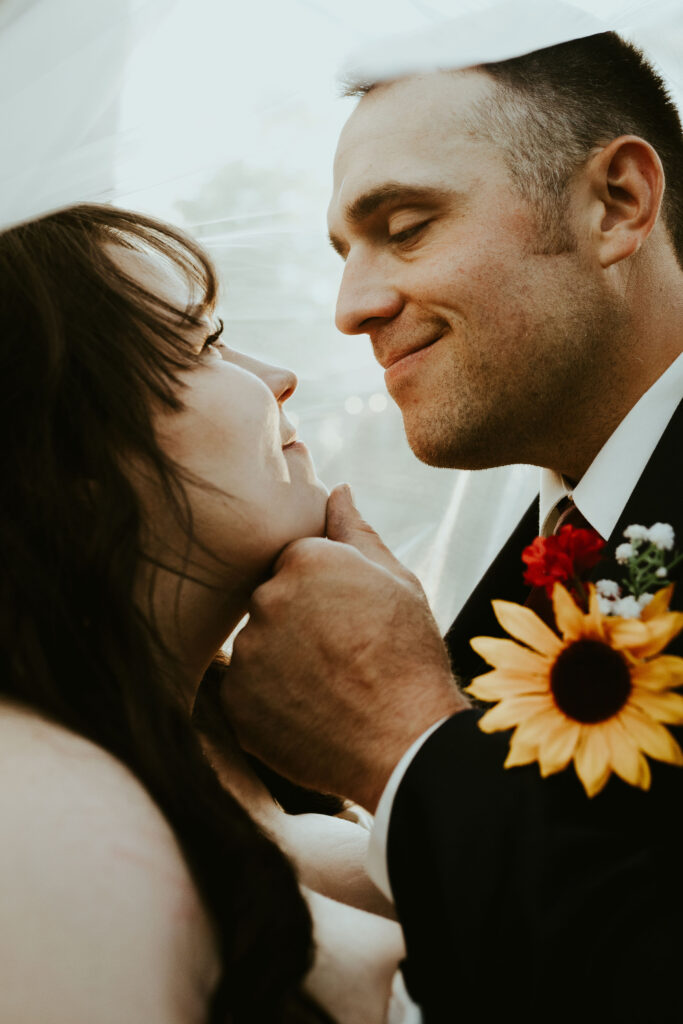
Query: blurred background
x=224 y=120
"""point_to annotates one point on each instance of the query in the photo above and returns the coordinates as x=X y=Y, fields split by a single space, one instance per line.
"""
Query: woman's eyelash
x=213 y=338
x=408 y=233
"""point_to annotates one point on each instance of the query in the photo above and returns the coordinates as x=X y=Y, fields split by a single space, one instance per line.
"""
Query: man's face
x=487 y=337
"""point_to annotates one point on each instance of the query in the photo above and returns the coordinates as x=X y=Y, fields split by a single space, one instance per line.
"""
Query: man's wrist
x=374 y=782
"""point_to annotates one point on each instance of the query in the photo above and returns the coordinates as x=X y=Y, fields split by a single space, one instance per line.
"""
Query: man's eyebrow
x=388 y=194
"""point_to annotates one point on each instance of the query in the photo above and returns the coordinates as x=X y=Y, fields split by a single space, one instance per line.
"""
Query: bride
x=150 y=479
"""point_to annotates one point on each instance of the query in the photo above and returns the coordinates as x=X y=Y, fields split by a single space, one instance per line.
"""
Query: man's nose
x=365 y=295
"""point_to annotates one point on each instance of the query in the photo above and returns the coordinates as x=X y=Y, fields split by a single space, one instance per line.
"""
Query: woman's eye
x=408 y=233
x=213 y=338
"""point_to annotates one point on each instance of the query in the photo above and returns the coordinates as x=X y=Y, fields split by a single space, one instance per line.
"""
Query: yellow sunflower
x=598 y=694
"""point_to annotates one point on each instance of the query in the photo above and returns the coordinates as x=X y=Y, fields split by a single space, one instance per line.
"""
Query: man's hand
x=341 y=665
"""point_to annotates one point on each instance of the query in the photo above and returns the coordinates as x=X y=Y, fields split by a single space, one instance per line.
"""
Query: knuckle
x=411 y=581
x=306 y=552
x=266 y=599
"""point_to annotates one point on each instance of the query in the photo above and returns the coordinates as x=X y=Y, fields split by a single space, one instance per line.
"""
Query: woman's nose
x=365 y=296
x=281 y=381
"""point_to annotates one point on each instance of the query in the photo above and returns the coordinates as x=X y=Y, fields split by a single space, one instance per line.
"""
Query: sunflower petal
x=661 y=673
x=525 y=625
x=592 y=759
x=568 y=615
x=593 y=625
x=556 y=749
x=659 y=603
x=511 y=712
x=499 y=684
x=661 y=631
x=652 y=737
x=644 y=639
x=520 y=752
x=626 y=759
x=534 y=729
x=645 y=774
x=665 y=707
x=627 y=634
x=509 y=655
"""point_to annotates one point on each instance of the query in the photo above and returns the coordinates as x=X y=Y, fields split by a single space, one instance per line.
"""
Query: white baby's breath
x=644 y=600
x=662 y=536
x=628 y=607
x=636 y=532
x=606 y=605
x=608 y=588
x=623 y=553
x=661 y=573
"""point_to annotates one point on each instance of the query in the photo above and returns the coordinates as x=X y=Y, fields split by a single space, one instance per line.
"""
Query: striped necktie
x=569 y=515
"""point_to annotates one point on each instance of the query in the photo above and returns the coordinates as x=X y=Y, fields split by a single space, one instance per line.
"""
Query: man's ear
x=626 y=180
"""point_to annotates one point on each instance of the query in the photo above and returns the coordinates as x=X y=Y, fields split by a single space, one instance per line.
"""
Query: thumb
x=346 y=525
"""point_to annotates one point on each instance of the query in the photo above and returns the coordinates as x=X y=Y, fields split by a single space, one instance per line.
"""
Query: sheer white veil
x=64 y=69
x=63 y=65
x=61 y=72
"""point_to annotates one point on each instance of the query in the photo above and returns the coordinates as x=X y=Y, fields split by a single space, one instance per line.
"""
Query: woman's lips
x=295 y=446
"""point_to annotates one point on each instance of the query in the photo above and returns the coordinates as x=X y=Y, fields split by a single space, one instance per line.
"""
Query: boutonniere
x=597 y=688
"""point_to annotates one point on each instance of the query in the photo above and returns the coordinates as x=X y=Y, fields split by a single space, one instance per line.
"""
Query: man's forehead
x=406 y=132
x=415 y=102
x=399 y=115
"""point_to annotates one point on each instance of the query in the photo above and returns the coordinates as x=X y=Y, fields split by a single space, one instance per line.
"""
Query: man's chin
x=453 y=453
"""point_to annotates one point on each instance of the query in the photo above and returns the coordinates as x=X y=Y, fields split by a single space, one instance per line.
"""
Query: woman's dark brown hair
x=85 y=351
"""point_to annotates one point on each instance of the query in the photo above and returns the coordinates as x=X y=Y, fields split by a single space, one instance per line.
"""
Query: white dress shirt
x=601 y=497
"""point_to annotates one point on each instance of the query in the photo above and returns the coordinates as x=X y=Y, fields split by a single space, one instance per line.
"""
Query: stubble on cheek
x=490 y=396
x=449 y=414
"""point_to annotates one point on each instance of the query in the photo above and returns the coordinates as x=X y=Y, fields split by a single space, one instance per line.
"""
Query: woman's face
x=234 y=436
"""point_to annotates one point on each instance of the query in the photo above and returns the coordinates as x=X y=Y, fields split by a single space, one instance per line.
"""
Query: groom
x=513 y=246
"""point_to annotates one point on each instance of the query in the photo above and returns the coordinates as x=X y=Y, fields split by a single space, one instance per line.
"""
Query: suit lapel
x=503 y=579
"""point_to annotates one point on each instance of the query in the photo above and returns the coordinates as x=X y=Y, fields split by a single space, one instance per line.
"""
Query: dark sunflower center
x=590 y=681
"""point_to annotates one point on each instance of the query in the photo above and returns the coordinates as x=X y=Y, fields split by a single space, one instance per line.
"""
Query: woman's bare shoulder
x=51 y=777
x=99 y=919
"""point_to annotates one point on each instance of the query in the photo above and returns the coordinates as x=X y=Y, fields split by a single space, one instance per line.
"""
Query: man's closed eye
x=408 y=234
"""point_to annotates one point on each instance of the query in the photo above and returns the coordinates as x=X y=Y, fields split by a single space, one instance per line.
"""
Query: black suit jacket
x=520 y=895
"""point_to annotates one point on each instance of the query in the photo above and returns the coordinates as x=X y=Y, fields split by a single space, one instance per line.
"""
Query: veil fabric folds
x=267 y=80
x=61 y=73
x=63 y=65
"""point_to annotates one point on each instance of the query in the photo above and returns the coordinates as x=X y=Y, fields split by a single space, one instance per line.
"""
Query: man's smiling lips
x=401 y=363
x=396 y=357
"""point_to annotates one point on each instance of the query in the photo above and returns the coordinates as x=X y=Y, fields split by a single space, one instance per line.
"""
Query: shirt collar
x=608 y=483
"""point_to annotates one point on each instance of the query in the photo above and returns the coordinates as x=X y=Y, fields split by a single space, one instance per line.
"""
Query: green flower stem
x=581 y=591
x=643 y=566
x=676 y=560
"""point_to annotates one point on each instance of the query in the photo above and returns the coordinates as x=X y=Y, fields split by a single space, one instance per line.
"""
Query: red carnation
x=547 y=563
x=561 y=558
x=582 y=546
